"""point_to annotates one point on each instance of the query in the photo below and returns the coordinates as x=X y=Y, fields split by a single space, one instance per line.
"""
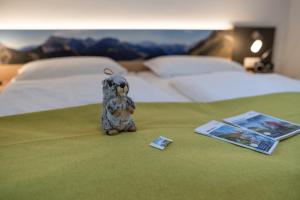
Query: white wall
x=173 y=14
x=291 y=59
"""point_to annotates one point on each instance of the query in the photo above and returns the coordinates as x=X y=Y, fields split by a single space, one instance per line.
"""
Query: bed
x=51 y=145
x=61 y=154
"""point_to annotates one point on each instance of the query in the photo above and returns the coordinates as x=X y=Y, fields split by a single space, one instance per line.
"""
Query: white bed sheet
x=39 y=95
x=229 y=85
x=163 y=84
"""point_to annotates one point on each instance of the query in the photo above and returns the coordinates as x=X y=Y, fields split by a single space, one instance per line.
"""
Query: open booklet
x=270 y=126
x=239 y=136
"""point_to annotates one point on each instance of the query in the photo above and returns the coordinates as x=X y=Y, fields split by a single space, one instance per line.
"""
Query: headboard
x=21 y=46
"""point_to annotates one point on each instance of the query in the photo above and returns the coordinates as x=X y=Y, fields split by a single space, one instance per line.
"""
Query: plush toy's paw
x=132 y=129
x=130 y=103
x=112 y=132
x=131 y=110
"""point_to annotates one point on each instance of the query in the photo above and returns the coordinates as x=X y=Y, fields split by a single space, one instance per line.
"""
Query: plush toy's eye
x=109 y=82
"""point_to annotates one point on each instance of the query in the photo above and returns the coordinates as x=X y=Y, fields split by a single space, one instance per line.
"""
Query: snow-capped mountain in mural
x=61 y=46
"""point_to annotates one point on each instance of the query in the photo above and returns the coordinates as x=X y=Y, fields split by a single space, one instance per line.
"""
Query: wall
x=140 y=14
x=291 y=60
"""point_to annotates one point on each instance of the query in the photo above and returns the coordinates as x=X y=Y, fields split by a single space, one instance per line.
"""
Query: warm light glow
x=256 y=46
x=117 y=25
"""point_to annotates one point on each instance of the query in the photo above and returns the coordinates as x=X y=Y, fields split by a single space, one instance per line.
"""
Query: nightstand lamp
x=257 y=43
x=253 y=48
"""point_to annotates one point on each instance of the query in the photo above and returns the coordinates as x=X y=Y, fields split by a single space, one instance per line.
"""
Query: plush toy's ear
x=107 y=82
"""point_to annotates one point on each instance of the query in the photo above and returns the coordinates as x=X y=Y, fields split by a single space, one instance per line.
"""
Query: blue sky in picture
x=21 y=38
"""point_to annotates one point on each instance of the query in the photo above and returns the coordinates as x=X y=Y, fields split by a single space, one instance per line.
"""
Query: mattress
x=45 y=94
x=62 y=154
x=229 y=85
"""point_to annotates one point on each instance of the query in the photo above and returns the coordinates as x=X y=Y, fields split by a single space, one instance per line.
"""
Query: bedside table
x=7 y=73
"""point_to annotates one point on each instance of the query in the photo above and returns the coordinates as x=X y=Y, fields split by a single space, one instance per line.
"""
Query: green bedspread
x=61 y=154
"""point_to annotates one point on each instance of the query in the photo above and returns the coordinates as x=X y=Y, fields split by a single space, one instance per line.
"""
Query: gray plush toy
x=117 y=106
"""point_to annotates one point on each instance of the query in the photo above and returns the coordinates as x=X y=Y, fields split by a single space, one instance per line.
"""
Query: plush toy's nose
x=122 y=85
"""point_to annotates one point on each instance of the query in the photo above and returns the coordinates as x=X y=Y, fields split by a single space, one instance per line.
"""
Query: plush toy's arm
x=111 y=106
x=130 y=105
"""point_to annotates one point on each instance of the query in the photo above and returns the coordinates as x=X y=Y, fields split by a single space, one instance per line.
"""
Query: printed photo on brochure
x=238 y=136
x=265 y=124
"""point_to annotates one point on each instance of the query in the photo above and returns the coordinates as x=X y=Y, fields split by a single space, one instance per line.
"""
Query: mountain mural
x=216 y=44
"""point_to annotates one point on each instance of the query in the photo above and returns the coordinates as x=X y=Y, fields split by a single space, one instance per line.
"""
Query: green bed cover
x=61 y=154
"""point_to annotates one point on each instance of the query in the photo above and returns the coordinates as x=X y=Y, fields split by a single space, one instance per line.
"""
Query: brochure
x=161 y=142
x=238 y=136
x=270 y=126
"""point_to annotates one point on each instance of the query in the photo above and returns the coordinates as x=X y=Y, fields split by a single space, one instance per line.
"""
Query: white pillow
x=170 y=66
x=67 y=66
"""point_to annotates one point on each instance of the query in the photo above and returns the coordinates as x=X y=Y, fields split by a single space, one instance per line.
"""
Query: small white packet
x=161 y=142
